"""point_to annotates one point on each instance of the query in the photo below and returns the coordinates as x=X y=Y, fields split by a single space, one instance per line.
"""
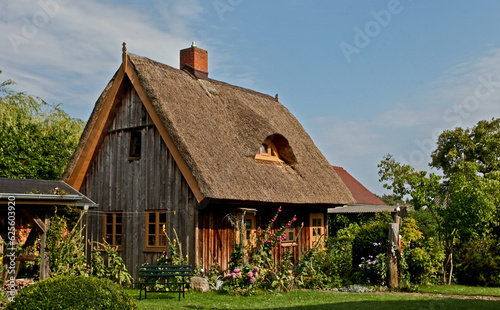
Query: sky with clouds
x=365 y=78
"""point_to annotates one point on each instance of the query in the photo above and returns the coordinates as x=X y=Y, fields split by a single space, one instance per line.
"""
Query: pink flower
x=250 y=274
x=256 y=268
x=279 y=210
x=236 y=270
x=288 y=224
x=268 y=240
x=273 y=220
x=252 y=279
x=229 y=275
x=294 y=219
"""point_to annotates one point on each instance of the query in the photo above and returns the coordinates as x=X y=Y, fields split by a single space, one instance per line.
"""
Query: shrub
x=242 y=280
x=371 y=239
x=73 y=292
x=422 y=255
x=479 y=262
x=115 y=270
x=369 y=251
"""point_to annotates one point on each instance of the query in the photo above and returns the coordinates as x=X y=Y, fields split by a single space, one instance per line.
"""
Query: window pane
x=118 y=218
x=248 y=234
x=118 y=240
x=108 y=239
x=151 y=240
x=319 y=222
x=118 y=229
x=152 y=229
x=152 y=217
x=109 y=229
x=109 y=218
x=163 y=217
x=248 y=224
x=290 y=236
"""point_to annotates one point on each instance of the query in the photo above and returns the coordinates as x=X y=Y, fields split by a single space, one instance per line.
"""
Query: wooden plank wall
x=217 y=235
x=153 y=182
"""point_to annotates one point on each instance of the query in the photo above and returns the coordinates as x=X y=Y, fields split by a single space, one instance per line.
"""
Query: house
x=29 y=204
x=365 y=201
x=172 y=148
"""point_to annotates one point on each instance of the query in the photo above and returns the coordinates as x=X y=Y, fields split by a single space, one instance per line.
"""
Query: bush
x=73 y=292
x=422 y=255
x=369 y=251
x=479 y=262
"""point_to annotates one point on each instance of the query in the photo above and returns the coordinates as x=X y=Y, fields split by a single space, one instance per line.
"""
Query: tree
x=479 y=144
x=464 y=202
x=38 y=138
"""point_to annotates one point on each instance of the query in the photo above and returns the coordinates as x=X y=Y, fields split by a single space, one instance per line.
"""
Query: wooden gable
x=107 y=107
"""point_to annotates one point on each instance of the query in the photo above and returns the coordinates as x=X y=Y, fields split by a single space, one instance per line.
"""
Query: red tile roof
x=359 y=192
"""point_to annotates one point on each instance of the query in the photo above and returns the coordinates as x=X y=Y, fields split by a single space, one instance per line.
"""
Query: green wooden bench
x=171 y=276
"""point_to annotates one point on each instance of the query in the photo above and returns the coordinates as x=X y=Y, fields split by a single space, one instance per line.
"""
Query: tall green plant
x=115 y=269
x=65 y=248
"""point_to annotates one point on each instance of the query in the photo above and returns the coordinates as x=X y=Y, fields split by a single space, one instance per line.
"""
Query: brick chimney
x=195 y=61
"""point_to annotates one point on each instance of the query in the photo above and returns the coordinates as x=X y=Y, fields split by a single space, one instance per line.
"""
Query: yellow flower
x=343 y=249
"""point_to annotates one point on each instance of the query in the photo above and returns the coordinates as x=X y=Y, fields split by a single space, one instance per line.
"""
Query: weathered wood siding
x=153 y=182
x=217 y=235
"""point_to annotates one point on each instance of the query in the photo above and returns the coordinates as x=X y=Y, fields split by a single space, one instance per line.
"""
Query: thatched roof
x=218 y=129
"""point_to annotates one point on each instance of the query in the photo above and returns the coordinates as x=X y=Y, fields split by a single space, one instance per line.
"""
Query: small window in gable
x=268 y=152
x=135 y=145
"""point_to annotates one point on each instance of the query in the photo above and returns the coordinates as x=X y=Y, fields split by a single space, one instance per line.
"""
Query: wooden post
x=44 y=259
x=392 y=255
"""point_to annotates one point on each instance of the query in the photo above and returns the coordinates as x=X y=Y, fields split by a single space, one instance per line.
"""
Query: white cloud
x=409 y=130
x=71 y=50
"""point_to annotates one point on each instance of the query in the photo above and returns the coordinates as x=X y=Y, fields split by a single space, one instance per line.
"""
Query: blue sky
x=365 y=78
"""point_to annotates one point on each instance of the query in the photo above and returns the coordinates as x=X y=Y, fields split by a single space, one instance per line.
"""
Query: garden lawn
x=460 y=290
x=306 y=300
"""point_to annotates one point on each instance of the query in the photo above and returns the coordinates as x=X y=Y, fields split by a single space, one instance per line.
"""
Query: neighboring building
x=365 y=201
x=30 y=204
x=172 y=148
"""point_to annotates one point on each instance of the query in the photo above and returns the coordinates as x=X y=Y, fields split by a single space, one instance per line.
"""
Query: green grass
x=306 y=300
x=461 y=290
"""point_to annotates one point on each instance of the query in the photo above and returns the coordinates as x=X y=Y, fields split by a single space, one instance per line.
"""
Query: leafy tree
x=464 y=205
x=38 y=138
x=479 y=144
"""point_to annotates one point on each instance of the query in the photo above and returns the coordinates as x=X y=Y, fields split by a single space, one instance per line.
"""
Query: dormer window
x=268 y=152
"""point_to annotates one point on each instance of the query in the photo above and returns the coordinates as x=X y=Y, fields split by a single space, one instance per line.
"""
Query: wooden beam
x=36 y=220
x=179 y=160
x=44 y=259
x=79 y=171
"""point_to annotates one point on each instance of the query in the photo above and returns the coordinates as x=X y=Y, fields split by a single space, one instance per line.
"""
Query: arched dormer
x=276 y=148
